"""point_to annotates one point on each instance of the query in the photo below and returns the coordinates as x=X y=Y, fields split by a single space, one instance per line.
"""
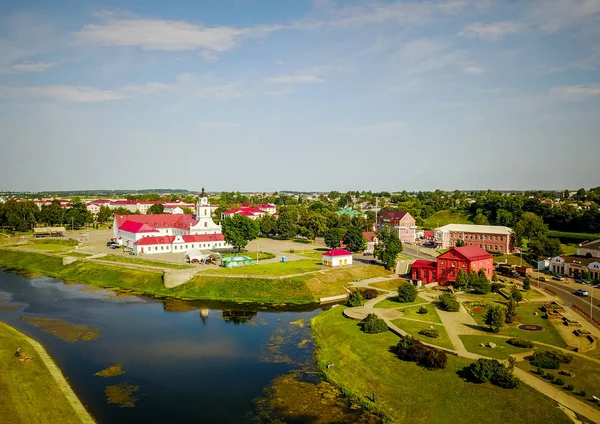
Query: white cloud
x=474 y=70
x=170 y=35
x=575 y=92
x=491 y=31
x=32 y=67
x=294 y=79
x=208 y=56
x=557 y=15
x=66 y=93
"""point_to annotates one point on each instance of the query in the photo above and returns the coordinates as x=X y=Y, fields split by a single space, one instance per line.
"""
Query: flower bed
x=529 y=327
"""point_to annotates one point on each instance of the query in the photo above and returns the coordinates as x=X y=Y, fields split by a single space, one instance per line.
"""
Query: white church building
x=167 y=233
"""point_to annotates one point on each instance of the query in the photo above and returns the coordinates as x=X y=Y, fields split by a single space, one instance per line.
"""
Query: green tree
x=238 y=230
x=462 y=280
x=516 y=294
x=448 y=302
x=481 y=219
x=287 y=222
x=460 y=243
x=495 y=277
x=388 y=248
x=157 y=208
x=407 y=292
x=187 y=211
x=333 y=237
x=527 y=283
x=354 y=239
x=355 y=299
x=52 y=214
x=316 y=223
x=495 y=316
x=20 y=216
x=268 y=225
x=511 y=311
x=104 y=214
x=544 y=247
x=531 y=226
x=480 y=283
x=77 y=216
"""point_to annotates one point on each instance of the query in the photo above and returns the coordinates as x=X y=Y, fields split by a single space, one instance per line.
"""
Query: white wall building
x=337 y=258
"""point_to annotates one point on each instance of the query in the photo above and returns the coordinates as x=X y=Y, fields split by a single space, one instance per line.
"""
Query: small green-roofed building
x=350 y=212
x=235 y=261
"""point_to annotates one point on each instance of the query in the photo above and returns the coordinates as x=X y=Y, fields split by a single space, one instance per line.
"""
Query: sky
x=266 y=95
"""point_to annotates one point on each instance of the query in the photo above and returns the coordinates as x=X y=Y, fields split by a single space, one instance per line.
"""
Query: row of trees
x=24 y=215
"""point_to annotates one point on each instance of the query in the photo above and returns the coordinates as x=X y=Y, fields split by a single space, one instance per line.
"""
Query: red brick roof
x=180 y=221
x=137 y=227
x=369 y=235
x=187 y=239
x=337 y=252
x=424 y=264
x=392 y=214
x=471 y=253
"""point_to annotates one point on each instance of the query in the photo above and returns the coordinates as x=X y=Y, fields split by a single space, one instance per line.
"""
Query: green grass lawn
x=332 y=282
x=275 y=269
x=48 y=247
x=29 y=392
x=309 y=253
x=261 y=255
x=511 y=260
x=410 y=394
x=574 y=236
x=391 y=284
x=525 y=315
x=413 y=328
x=392 y=303
x=586 y=374
x=568 y=249
x=136 y=260
x=63 y=242
x=78 y=254
x=502 y=351
x=441 y=218
x=430 y=316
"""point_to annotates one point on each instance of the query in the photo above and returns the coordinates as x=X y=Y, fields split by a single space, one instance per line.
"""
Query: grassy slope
x=411 y=394
x=331 y=283
x=580 y=236
x=134 y=260
x=441 y=218
x=29 y=392
x=277 y=268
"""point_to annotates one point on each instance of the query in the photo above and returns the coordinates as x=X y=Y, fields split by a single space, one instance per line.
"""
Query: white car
x=581 y=292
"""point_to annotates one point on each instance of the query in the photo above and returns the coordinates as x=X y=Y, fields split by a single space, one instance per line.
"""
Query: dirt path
x=61 y=382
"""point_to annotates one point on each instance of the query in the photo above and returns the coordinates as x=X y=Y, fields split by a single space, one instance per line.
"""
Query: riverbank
x=299 y=290
x=363 y=364
x=34 y=390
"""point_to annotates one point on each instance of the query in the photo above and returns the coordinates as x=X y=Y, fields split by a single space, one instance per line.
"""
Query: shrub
x=495 y=316
x=550 y=376
x=493 y=371
x=516 y=294
x=448 y=302
x=354 y=299
x=407 y=292
x=495 y=287
x=540 y=371
x=422 y=310
x=570 y=387
x=559 y=382
x=372 y=324
x=582 y=393
x=545 y=362
x=520 y=343
x=411 y=349
x=368 y=293
x=550 y=359
x=430 y=332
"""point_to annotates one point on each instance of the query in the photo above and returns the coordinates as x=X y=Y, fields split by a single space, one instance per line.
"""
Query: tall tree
x=238 y=230
x=495 y=317
x=354 y=239
x=77 y=216
x=157 y=208
x=388 y=248
x=104 y=214
x=333 y=237
x=481 y=219
x=511 y=311
x=462 y=281
x=287 y=222
x=268 y=225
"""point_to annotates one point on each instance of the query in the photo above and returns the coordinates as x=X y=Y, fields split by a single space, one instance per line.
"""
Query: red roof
x=424 y=264
x=427 y=233
x=337 y=252
x=186 y=239
x=244 y=211
x=472 y=253
x=392 y=214
x=137 y=227
x=369 y=235
x=180 y=221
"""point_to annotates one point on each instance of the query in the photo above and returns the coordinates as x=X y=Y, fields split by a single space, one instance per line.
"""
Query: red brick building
x=445 y=269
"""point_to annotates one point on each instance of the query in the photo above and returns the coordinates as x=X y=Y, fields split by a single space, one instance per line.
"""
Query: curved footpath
x=454 y=322
x=58 y=377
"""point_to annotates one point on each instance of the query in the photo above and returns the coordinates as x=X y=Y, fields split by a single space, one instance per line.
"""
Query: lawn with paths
x=274 y=269
x=502 y=350
x=431 y=315
x=413 y=328
x=392 y=303
x=409 y=393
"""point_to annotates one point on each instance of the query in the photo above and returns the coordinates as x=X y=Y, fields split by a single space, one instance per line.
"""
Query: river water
x=192 y=361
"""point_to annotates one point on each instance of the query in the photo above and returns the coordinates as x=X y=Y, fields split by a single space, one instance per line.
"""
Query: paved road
x=418 y=252
x=565 y=292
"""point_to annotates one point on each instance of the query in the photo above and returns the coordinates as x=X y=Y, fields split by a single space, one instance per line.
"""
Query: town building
x=164 y=233
x=337 y=257
x=252 y=213
x=493 y=238
x=372 y=240
x=589 y=249
x=401 y=221
x=269 y=208
x=447 y=265
x=349 y=212
x=574 y=266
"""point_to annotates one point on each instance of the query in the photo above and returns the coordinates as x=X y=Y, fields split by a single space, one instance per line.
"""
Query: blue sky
x=320 y=95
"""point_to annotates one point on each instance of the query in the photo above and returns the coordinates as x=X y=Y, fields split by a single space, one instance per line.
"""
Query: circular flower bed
x=529 y=327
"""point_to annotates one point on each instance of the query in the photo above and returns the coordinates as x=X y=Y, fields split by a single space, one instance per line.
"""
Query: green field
x=511 y=260
x=430 y=316
x=567 y=237
x=261 y=255
x=135 y=260
x=392 y=303
x=413 y=328
x=502 y=351
x=525 y=315
x=586 y=374
x=568 y=249
x=29 y=392
x=363 y=364
x=275 y=269
x=441 y=218
x=391 y=284
x=47 y=247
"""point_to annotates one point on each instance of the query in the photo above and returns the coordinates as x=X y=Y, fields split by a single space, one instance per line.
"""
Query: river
x=192 y=361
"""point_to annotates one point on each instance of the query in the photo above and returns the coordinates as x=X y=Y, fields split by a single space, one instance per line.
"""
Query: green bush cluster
x=550 y=359
x=520 y=343
x=430 y=332
x=355 y=299
x=491 y=370
x=372 y=324
x=448 y=302
x=422 y=310
x=411 y=349
x=368 y=293
x=495 y=287
x=407 y=292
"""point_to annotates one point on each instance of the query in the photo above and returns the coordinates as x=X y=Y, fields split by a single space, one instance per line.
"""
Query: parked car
x=114 y=246
x=111 y=242
x=581 y=292
x=558 y=278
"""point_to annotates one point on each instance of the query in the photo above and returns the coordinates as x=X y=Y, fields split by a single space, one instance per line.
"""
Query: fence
x=584 y=313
